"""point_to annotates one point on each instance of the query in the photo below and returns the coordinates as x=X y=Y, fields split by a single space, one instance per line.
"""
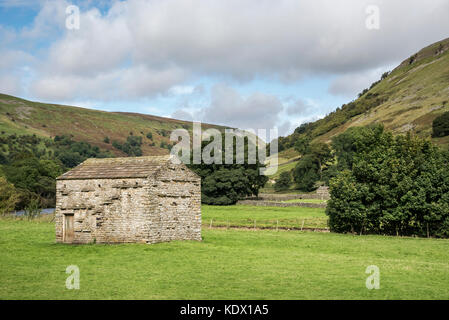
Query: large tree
x=225 y=184
x=397 y=186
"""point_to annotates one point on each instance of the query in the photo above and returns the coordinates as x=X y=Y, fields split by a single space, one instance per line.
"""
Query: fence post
x=277 y=225
x=254 y=224
x=302 y=227
x=210 y=226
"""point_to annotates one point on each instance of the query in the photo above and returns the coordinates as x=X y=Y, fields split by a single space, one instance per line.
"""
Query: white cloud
x=284 y=128
x=140 y=49
x=299 y=107
x=182 y=115
x=350 y=84
x=127 y=83
x=242 y=40
x=10 y=85
x=181 y=90
x=257 y=111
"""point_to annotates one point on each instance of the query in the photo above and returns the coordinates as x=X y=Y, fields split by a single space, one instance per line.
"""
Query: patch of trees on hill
x=29 y=166
x=132 y=146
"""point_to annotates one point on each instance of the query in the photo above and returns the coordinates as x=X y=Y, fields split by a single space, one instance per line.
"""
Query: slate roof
x=116 y=168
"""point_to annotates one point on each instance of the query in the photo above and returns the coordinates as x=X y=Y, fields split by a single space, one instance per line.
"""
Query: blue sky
x=248 y=64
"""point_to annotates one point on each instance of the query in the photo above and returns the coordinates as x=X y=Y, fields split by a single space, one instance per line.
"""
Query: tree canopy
x=396 y=186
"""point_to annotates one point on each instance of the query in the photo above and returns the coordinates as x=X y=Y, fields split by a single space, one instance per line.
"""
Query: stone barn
x=145 y=199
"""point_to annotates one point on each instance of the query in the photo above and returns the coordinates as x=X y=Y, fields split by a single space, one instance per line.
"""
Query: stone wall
x=164 y=207
x=260 y=203
x=178 y=194
x=287 y=197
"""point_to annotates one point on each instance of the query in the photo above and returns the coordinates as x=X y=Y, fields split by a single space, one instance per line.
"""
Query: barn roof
x=116 y=168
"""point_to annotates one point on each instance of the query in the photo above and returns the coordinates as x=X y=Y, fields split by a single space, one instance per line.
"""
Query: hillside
x=407 y=99
x=22 y=117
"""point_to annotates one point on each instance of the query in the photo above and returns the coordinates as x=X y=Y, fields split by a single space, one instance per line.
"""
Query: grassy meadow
x=227 y=264
x=263 y=217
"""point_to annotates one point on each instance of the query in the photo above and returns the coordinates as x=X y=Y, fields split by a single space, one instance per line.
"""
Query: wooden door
x=69 y=233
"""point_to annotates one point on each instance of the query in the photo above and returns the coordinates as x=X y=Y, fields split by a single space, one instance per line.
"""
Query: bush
x=283 y=182
x=8 y=196
x=132 y=146
x=398 y=187
x=33 y=210
x=441 y=126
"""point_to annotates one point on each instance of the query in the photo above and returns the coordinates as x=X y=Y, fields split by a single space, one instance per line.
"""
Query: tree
x=322 y=154
x=302 y=145
x=441 y=126
x=309 y=169
x=306 y=173
x=225 y=184
x=34 y=177
x=398 y=186
x=283 y=182
x=355 y=140
x=132 y=146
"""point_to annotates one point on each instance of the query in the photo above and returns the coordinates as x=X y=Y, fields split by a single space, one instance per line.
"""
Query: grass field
x=263 y=217
x=227 y=264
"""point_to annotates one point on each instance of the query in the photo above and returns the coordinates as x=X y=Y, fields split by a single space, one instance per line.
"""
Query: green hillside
x=49 y=120
x=407 y=99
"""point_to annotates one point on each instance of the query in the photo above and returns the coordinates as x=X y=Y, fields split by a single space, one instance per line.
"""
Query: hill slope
x=48 y=120
x=407 y=99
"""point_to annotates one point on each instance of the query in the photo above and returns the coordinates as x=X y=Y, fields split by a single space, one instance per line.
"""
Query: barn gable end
x=146 y=199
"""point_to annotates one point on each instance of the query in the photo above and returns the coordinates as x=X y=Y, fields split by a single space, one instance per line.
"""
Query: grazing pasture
x=227 y=264
x=264 y=217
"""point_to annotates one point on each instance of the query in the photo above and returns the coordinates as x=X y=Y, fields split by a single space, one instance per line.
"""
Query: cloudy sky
x=242 y=63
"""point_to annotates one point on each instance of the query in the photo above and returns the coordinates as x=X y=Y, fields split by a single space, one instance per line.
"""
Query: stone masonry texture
x=125 y=200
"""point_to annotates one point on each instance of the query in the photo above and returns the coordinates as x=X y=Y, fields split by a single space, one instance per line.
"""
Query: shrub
x=441 y=126
x=132 y=146
x=8 y=196
x=283 y=182
x=33 y=210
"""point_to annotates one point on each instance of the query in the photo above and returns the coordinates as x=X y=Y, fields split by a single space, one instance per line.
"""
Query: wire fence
x=272 y=224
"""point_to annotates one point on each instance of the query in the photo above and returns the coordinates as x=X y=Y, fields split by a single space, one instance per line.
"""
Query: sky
x=251 y=64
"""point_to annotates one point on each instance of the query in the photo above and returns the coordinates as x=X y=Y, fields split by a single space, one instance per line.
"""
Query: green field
x=263 y=217
x=227 y=264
